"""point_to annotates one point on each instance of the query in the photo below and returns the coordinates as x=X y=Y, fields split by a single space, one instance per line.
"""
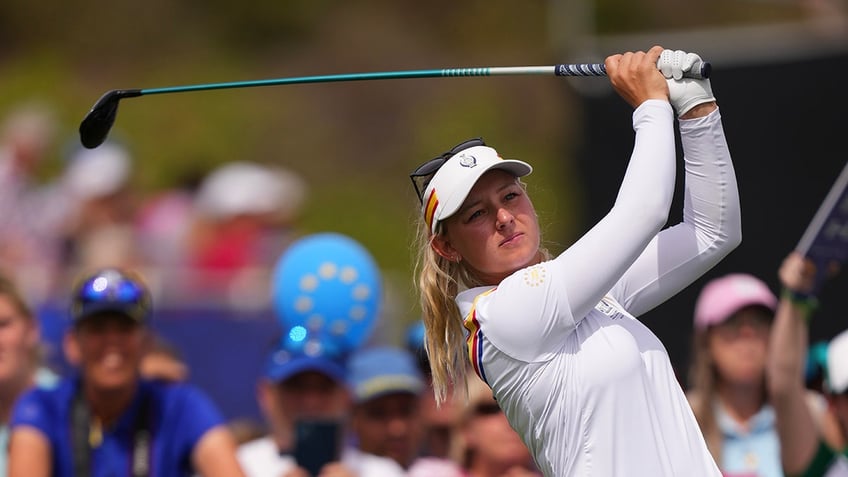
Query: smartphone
x=317 y=442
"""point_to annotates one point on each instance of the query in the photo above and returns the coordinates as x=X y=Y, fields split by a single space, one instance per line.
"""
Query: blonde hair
x=439 y=282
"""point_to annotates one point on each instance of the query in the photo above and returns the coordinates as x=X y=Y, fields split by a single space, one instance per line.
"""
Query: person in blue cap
x=105 y=419
x=306 y=405
x=387 y=385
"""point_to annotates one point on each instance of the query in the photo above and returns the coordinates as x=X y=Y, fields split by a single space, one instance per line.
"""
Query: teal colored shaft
x=446 y=72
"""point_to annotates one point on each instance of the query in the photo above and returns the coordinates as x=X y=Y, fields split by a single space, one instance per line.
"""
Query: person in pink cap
x=728 y=388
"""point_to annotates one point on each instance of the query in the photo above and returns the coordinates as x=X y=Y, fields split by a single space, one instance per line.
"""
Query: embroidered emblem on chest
x=535 y=276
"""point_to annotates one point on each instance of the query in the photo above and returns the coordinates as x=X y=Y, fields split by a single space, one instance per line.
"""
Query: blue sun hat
x=326 y=292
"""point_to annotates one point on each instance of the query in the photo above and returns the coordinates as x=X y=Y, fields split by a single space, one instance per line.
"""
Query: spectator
x=164 y=221
x=163 y=361
x=816 y=366
x=386 y=386
x=244 y=214
x=733 y=316
x=302 y=386
x=100 y=230
x=30 y=220
x=491 y=447
x=806 y=450
x=20 y=358
x=117 y=419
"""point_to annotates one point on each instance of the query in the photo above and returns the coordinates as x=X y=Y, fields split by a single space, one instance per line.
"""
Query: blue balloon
x=415 y=336
x=327 y=288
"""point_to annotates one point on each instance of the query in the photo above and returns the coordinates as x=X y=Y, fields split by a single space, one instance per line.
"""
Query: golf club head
x=96 y=125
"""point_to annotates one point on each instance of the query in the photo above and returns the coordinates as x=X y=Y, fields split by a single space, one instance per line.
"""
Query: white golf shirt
x=590 y=389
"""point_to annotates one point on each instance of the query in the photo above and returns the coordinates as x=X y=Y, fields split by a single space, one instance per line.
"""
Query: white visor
x=451 y=184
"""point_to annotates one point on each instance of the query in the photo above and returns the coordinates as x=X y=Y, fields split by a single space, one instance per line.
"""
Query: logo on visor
x=467 y=160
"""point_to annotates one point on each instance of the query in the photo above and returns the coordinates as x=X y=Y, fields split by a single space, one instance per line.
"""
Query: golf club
x=96 y=125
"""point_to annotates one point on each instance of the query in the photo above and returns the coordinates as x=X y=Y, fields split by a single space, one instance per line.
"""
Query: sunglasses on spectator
x=424 y=173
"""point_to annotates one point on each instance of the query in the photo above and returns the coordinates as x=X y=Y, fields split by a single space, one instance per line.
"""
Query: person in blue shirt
x=21 y=365
x=105 y=419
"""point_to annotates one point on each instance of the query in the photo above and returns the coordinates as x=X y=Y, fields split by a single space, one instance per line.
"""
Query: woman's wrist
x=805 y=301
x=700 y=110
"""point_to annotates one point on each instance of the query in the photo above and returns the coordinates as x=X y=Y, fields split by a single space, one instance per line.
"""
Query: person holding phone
x=306 y=404
x=386 y=420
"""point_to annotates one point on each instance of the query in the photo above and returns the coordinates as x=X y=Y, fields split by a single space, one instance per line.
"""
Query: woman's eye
x=511 y=195
x=475 y=214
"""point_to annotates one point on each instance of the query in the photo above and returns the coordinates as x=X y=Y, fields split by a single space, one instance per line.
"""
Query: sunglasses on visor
x=424 y=173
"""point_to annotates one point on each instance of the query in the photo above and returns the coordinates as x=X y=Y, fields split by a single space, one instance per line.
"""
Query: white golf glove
x=684 y=93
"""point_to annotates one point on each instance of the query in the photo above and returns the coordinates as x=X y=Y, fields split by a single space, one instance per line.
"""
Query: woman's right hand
x=635 y=77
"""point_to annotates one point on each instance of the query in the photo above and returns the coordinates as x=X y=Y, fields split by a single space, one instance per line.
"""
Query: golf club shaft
x=96 y=125
x=589 y=69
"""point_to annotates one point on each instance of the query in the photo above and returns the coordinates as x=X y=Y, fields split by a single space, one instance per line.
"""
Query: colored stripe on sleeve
x=474 y=341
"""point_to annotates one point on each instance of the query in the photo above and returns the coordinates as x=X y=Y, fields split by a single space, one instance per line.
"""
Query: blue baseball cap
x=379 y=371
x=111 y=290
x=284 y=363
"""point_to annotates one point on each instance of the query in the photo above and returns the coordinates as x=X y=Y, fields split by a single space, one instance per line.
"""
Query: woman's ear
x=442 y=246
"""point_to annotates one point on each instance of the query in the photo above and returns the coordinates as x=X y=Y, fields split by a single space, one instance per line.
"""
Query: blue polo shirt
x=180 y=415
x=751 y=452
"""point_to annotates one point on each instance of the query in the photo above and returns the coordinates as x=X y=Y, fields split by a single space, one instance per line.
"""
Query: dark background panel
x=785 y=124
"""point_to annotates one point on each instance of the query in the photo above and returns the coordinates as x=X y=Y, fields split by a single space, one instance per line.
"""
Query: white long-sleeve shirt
x=590 y=389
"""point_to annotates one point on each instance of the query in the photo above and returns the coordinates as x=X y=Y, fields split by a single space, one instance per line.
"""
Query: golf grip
x=699 y=70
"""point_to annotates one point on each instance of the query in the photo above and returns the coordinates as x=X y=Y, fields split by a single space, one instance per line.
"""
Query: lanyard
x=81 y=432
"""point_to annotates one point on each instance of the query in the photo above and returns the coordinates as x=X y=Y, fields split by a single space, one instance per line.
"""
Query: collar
x=762 y=421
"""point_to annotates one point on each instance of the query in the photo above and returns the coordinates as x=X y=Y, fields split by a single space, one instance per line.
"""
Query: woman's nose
x=504 y=217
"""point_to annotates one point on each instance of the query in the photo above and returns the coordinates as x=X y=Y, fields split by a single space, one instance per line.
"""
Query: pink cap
x=724 y=296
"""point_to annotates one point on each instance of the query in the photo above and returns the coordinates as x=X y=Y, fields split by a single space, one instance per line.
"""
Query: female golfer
x=589 y=388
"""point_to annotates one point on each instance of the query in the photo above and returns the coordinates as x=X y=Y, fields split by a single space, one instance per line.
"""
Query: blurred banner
x=826 y=239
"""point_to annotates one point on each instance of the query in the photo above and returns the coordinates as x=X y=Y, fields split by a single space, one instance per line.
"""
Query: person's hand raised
x=635 y=76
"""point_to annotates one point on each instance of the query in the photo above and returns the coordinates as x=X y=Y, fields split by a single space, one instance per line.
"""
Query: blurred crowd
x=370 y=412
x=207 y=238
